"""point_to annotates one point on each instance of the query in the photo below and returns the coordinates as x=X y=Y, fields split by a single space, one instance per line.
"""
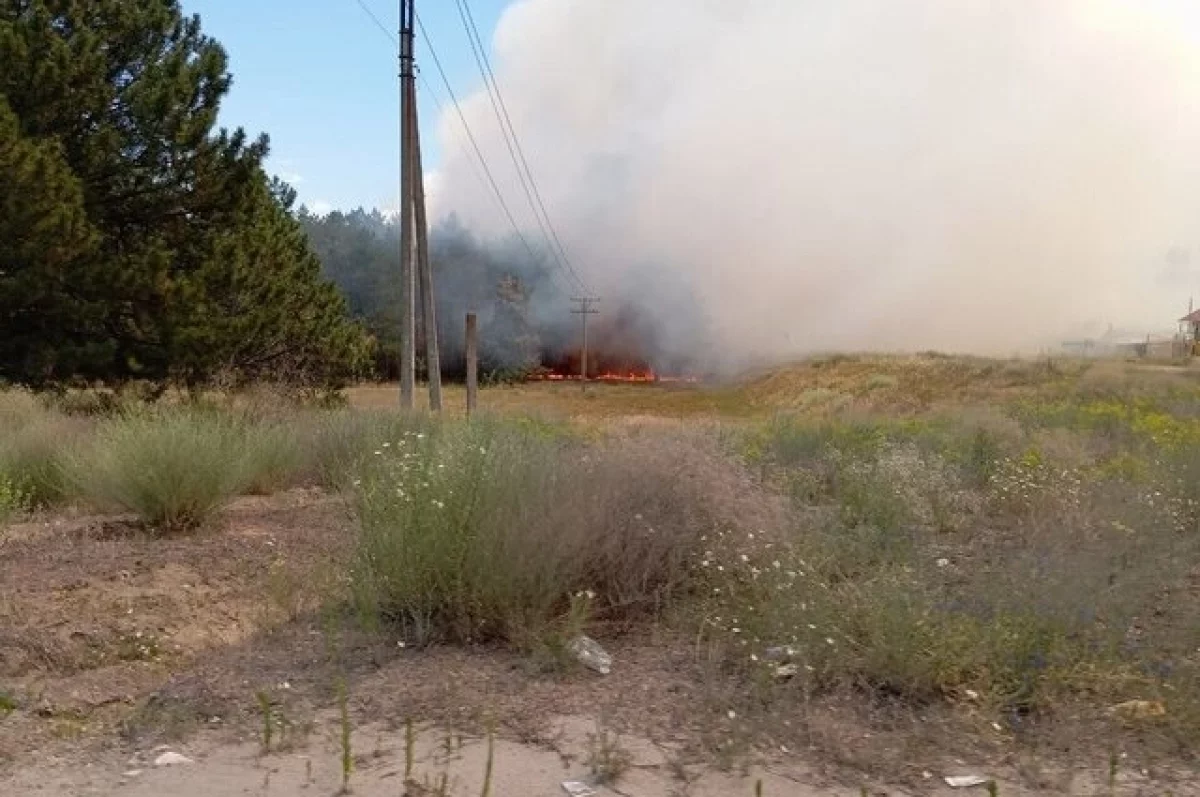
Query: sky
x=320 y=78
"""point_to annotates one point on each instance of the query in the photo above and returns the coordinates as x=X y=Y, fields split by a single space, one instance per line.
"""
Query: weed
x=607 y=760
x=339 y=444
x=138 y=646
x=937 y=560
x=32 y=441
x=410 y=748
x=486 y=531
x=8 y=704
x=173 y=469
x=266 y=708
x=13 y=500
x=273 y=458
x=344 y=722
x=487 y=772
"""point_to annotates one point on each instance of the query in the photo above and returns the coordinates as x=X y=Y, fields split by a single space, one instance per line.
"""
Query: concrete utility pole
x=433 y=361
x=584 y=310
x=407 y=283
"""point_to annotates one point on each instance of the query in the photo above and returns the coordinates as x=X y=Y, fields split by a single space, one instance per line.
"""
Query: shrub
x=1063 y=573
x=274 y=457
x=12 y=500
x=337 y=444
x=488 y=530
x=171 y=468
x=33 y=440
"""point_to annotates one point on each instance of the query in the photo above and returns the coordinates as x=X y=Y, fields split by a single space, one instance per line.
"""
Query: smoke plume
x=788 y=176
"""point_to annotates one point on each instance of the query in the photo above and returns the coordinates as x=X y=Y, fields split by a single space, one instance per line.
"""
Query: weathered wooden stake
x=472 y=363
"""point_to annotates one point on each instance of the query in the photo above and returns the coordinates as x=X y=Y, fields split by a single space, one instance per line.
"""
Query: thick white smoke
x=981 y=175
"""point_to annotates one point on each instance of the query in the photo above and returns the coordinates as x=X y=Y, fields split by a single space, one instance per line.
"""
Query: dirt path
x=115 y=648
x=518 y=770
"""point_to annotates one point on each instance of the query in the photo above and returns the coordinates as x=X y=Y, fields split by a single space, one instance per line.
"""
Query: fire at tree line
x=141 y=242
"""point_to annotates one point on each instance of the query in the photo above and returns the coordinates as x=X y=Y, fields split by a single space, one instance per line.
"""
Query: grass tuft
x=173 y=469
x=492 y=530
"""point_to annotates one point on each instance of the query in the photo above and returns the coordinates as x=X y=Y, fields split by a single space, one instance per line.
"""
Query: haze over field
x=963 y=174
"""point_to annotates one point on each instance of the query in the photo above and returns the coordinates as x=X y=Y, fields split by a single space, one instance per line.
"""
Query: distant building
x=1190 y=326
x=1189 y=330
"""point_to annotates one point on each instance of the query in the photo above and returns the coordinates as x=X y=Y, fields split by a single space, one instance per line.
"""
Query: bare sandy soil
x=115 y=647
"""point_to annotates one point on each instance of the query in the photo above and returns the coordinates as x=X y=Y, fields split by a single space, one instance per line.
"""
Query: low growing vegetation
x=492 y=530
x=1024 y=559
x=171 y=468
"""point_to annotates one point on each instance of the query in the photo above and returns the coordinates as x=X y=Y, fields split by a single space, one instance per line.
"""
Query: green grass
x=12 y=501
x=172 y=468
x=33 y=439
x=937 y=558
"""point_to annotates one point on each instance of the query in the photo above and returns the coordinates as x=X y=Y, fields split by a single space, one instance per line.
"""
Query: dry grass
x=33 y=442
x=494 y=530
x=994 y=566
x=172 y=468
x=1015 y=543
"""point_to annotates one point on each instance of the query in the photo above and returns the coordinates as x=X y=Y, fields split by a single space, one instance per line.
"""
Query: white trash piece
x=590 y=654
x=170 y=759
x=966 y=781
x=577 y=788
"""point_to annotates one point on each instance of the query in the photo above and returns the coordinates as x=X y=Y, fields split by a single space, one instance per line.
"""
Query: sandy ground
x=517 y=770
x=115 y=647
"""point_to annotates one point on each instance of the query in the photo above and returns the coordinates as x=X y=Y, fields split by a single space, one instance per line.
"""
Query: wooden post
x=472 y=363
x=585 y=309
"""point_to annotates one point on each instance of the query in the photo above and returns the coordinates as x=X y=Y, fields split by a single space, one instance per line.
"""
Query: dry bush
x=1060 y=577
x=33 y=439
x=172 y=467
x=488 y=530
x=335 y=445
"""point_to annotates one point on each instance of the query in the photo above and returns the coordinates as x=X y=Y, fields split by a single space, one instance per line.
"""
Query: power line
x=490 y=180
x=474 y=142
x=386 y=32
x=437 y=103
x=513 y=142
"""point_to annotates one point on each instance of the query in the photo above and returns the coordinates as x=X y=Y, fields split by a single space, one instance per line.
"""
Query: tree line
x=140 y=242
x=519 y=306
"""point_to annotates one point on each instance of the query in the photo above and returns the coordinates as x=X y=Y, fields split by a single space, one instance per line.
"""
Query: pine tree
x=190 y=253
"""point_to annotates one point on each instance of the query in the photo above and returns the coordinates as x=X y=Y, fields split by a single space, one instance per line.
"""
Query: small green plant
x=607 y=760
x=344 y=717
x=266 y=708
x=138 y=646
x=487 y=772
x=552 y=648
x=410 y=748
x=993 y=788
x=172 y=468
x=8 y=704
x=1114 y=762
x=13 y=500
